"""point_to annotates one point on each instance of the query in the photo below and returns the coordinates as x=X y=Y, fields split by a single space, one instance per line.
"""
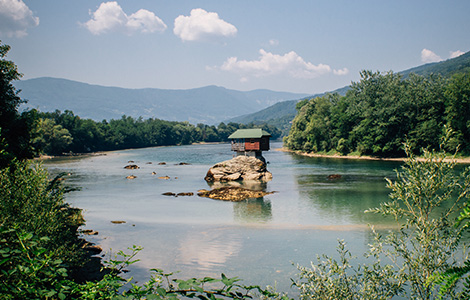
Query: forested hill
x=383 y=111
x=207 y=105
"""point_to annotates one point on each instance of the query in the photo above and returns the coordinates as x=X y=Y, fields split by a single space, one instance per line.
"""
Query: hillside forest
x=383 y=111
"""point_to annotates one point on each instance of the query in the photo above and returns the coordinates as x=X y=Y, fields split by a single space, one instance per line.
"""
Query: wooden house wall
x=251 y=144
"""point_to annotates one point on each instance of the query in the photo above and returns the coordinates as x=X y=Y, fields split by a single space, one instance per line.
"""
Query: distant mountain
x=282 y=113
x=208 y=105
x=460 y=64
x=279 y=114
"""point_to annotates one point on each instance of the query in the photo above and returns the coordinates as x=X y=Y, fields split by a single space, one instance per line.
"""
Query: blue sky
x=298 y=46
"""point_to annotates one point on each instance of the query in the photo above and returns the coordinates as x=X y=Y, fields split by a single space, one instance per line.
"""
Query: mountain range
x=208 y=105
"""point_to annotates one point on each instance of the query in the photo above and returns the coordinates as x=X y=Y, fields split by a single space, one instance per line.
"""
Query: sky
x=304 y=46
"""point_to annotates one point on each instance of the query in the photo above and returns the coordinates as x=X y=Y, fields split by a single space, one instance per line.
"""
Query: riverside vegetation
x=40 y=247
x=381 y=112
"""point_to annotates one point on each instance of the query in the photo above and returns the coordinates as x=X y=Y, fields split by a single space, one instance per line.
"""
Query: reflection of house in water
x=250 y=142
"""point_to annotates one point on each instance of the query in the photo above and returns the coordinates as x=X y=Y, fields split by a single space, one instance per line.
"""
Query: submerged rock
x=234 y=194
x=185 y=194
x=132 y=167
x=239 y=168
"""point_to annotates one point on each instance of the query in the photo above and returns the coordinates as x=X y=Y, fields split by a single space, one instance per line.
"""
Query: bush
x=33 y=204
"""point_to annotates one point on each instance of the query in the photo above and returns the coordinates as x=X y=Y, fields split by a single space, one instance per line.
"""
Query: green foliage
x=458 y=109
x=28 y=270
x=381 y=112
x=51 y=138
x=31 y=202
x=424 y=201
x=338 y=279
x=15 y=128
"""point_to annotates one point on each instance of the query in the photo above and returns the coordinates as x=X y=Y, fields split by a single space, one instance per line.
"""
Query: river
x=258 y=240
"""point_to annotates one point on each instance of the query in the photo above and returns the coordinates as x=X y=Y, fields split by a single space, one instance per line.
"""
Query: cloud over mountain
x=454 y=54
x=110 y=17
x=16 y=18
x=273 y=64
x=201 y=25
x=427 y=56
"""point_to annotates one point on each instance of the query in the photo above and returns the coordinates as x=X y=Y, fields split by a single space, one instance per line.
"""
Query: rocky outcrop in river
x=239 y=168
x=234 y=194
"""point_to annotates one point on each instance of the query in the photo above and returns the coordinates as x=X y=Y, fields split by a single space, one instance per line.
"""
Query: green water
x=257 y=240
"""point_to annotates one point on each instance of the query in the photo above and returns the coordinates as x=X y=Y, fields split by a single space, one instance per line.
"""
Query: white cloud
x=201 y=25
x=454 y=54
x=427 y=56
x=273 y=42
x=110 y=17
x=16 y=18
x=343 y=71
x=273 y=64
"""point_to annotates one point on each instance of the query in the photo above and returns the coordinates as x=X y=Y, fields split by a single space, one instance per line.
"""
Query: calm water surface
x=257 y=240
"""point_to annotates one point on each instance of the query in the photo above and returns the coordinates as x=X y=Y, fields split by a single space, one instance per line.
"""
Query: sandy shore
x=464 y=160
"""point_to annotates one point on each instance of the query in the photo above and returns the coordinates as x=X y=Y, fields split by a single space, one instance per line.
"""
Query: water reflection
x=204 y=250
x=360 y=186
x=250 y=210
x=253 y=210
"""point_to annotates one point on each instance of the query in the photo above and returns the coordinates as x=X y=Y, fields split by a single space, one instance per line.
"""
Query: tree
x=458 y=108
x=51 y=138
x=15 y=128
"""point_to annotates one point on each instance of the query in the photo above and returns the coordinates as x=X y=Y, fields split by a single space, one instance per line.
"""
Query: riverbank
x=460 y=160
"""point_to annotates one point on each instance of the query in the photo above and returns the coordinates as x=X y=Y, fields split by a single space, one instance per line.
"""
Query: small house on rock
x=250 y=142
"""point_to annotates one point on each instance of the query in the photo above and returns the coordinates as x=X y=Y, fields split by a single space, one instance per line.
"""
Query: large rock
x=239 y=168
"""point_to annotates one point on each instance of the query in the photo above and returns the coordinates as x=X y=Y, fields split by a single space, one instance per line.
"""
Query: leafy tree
x=15 y=128
x=458 y=109
x=51 y=138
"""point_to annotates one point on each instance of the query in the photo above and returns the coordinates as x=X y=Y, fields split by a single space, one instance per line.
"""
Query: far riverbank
x=460 y=160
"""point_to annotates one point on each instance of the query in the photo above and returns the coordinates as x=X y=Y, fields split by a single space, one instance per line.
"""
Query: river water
x=258 y=240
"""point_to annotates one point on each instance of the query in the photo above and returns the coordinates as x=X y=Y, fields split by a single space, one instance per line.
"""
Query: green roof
x=254 y=133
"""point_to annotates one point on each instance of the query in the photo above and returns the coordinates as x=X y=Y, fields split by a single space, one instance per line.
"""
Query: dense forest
x=63 y=132
x=381 y=112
